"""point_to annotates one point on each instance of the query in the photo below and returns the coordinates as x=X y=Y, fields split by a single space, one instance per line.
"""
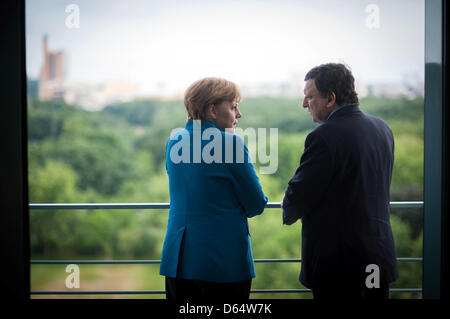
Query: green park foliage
x=117 y=155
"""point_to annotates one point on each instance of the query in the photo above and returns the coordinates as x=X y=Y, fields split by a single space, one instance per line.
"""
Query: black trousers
x=183 y=290
x=351 y=292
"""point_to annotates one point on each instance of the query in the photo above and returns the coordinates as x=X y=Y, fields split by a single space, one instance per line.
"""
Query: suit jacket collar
x=343 y=111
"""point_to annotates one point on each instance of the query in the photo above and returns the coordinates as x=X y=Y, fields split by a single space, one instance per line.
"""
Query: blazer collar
x=343 y=111
x=200 y=124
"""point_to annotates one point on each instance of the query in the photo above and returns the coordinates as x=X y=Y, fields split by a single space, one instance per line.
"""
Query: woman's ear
x=212 y=112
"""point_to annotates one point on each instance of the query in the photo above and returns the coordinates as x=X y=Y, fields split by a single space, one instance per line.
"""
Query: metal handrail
x=112 y=206
x=146 y=262
x=164 y=206
x=162 y=292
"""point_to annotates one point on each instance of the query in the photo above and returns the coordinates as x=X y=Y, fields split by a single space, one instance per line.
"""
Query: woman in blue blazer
x=213 y=190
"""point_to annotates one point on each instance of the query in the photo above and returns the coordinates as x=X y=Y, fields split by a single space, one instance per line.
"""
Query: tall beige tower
x=52 y=76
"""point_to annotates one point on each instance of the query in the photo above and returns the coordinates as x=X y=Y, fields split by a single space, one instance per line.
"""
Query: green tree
x=50 y=230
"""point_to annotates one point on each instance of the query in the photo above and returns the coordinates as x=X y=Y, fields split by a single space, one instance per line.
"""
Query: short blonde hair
x=207 y=91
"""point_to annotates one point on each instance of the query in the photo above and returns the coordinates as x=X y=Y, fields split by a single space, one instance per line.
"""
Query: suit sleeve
x=246 y=183
x=310 y=182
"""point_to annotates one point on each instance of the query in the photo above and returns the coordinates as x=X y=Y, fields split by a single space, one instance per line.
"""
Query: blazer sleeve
x=311 y=179
x=246 y=183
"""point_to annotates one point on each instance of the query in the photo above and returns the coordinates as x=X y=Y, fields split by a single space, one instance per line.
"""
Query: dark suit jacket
x=341 y=192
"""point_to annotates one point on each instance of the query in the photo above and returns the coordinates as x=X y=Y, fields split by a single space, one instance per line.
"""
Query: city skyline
x=163 y=47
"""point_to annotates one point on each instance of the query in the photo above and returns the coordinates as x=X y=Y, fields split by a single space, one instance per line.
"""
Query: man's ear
x=331 y=100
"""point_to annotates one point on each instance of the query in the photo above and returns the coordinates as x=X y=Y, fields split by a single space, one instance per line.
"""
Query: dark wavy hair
x=337 y=78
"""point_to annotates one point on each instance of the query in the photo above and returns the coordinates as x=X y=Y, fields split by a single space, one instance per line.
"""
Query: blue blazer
x=207 y=234
x=341 y=190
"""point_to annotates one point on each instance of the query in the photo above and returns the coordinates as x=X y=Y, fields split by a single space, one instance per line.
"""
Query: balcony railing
x=165 y=206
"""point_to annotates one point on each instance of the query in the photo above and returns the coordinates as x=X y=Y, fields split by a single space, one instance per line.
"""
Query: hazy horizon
x=166 y=46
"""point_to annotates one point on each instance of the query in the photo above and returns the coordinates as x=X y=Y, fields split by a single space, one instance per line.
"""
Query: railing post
x=433 y=140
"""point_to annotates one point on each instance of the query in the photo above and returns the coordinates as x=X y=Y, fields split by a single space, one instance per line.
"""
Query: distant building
x=396 y=89
x=94 y=97
x=286 y=89
x=52 y=76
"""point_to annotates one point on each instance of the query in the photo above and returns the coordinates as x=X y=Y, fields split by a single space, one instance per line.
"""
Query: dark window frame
x=14 y=217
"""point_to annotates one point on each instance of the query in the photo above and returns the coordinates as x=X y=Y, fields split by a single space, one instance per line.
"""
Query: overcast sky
x=178 y=42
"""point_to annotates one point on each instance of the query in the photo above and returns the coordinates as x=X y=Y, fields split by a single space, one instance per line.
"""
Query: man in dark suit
x=340 y=192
